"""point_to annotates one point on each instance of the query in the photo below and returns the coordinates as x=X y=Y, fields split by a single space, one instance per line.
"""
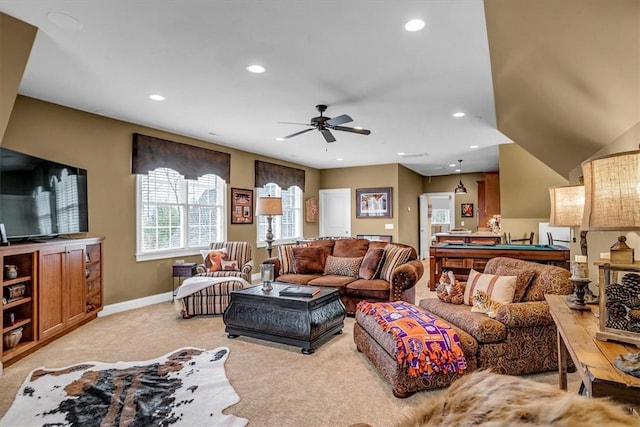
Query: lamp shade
x=567 y=206
x=612 y=192
x=269 y=206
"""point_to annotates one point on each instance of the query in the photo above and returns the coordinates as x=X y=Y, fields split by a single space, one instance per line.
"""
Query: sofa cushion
x=350 y=247
x=332 y=281
x=478 y=325
x=309 y=260
x=298 y=279
x=523 y=282
x=324 y=243
x=342 y=266
x=498 y=288
x=376 y=288
x=550 y=279
x=371 y=263
x=393 y=257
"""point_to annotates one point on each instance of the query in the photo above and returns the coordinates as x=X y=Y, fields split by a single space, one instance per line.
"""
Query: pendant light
x=460 y=189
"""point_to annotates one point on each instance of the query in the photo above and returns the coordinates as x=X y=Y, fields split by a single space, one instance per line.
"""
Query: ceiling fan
x=326 y=124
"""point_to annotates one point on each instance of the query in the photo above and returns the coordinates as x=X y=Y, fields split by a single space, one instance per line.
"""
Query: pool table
x=462 y=257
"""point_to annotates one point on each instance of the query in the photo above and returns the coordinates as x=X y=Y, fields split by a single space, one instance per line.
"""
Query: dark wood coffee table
x=299 y=321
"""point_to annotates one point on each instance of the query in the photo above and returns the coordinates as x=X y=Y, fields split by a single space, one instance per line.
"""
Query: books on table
x=300 y=291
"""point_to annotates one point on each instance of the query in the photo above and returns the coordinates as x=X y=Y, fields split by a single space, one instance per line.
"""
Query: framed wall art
x=311 y=210
x=374 y=202
x=241 y=206
x=467 y=210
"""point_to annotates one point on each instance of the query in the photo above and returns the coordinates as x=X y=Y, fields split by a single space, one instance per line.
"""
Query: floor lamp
x=269 y=207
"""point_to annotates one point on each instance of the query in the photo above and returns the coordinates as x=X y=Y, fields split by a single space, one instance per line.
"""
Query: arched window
x=178 y=216
x=288 y=226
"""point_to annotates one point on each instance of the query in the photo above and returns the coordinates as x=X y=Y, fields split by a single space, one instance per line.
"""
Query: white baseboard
x=134 y=303
x=143 y=302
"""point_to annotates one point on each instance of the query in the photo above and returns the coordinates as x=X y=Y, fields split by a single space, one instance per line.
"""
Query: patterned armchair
x=236 y=251
x=522 y=338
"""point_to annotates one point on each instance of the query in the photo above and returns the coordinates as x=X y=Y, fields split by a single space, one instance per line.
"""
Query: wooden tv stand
x=62 y=281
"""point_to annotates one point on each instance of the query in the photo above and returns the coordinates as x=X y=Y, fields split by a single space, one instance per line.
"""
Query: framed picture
x=467 y=210
x=375 y=237
x=311 y=210
x=374 y=203
x=241 y=206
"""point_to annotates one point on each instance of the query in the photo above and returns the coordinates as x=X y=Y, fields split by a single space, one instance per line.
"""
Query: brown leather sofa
x=359 y=268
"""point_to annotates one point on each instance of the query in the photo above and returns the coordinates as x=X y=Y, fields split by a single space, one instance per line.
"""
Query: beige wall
x=409 y=190
x=16 y=40
x=103 y=147
x=366 y=177
x=448 y=183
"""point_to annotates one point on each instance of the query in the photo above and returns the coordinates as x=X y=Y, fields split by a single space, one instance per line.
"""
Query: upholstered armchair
x=236 y=261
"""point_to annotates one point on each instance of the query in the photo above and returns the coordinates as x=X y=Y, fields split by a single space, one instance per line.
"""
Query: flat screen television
x=41 y=198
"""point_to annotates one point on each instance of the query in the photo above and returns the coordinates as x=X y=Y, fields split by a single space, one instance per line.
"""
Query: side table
x=593 y=358
x=179 y=272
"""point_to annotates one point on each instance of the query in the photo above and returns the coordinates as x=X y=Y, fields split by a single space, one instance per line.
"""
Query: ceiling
x=355 y=56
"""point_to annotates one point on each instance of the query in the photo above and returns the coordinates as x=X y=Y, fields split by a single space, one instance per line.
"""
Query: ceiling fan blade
x=352 y=130
x=297 y=133
x=294 y=123
x=328 y=136
x=339 y=120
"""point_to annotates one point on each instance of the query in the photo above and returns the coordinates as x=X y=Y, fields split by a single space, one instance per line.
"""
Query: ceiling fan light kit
x=325 y=124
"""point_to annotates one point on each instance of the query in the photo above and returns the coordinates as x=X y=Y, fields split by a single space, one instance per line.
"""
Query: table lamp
x=269 y=207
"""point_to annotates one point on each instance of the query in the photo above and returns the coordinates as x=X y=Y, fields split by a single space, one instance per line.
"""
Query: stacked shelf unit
x=63 y=289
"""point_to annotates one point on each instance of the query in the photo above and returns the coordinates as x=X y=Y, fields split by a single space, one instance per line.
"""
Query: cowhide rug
x=186 y=387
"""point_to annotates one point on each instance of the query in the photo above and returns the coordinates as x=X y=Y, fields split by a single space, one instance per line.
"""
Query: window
x=440 y=216
x=178 y=216
x=288 y=226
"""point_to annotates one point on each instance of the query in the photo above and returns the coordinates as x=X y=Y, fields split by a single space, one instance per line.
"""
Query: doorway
x=437 y=215
x=335 y=212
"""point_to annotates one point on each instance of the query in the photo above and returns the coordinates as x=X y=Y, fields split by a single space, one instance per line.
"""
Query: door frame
x=425 y=219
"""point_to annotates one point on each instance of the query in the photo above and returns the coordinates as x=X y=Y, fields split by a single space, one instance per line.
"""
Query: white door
x=335 y=212
x=443 y=206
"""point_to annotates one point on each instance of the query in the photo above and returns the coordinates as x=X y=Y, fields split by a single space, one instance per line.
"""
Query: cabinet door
x=492 y=193
x=75 y=287
x=51 y=291
x=62 y=288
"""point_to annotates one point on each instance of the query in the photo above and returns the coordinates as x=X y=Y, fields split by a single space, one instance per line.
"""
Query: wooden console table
x=461 y=258
x=593 y=358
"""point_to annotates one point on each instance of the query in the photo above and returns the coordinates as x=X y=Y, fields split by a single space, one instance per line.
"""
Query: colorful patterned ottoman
x=380 y=347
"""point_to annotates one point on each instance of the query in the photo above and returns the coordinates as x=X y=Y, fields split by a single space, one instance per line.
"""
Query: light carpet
x=186 y=387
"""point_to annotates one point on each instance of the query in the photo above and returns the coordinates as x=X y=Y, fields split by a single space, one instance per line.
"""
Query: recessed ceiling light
x=65 y=21
x=257 y=69
x=452 y=165
x=339 y=159
x=458 y=170
x=458 y=114
x=157 y=97
x=279 y=138
x=474 y=146
x=401 y=153
x=414 y=25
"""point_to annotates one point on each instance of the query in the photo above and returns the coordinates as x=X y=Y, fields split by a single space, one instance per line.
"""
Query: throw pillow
x=285 y=254
x=309 y=260
x=343 y=266
x=523 y=282
x=213 y=262
x=393 y=257
x=230 y=265
x=371 y=263
x=498 y=288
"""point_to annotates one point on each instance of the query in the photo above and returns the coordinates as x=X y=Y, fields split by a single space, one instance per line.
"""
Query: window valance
x=150 y=153
x=284 y=176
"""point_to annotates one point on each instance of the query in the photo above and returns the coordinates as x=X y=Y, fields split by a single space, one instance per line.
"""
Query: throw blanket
x=197 y=283
x=424 y=344
x=187 y=387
